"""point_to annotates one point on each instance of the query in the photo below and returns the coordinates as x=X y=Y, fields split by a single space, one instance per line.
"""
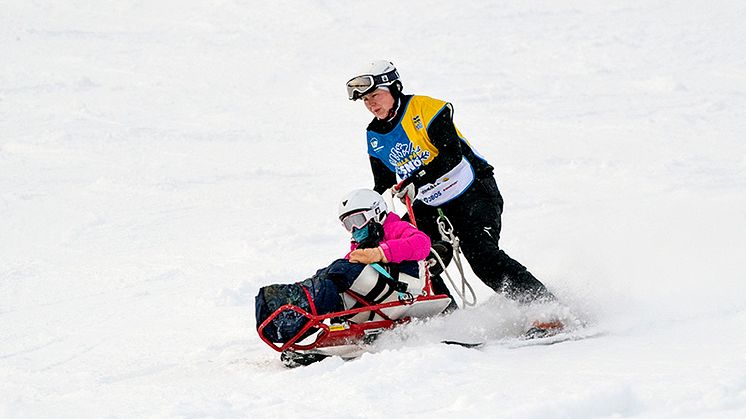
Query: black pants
x=476 y=219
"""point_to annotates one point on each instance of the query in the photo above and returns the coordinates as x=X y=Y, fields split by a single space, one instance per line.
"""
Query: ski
x=552 y=339
x=464 y=344
x=532 y=338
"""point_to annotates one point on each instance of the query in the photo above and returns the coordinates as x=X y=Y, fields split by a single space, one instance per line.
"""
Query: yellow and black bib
x=408 y=147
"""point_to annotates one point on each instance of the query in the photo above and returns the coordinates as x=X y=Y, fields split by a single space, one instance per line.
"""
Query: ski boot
x=543 y=329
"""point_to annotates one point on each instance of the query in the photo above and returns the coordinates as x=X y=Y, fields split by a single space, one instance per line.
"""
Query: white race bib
x=448 y=186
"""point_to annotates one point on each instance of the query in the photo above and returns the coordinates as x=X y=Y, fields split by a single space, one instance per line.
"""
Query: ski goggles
x=358 y=219
x=359 y=86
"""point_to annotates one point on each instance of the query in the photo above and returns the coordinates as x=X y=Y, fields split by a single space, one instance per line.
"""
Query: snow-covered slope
x=161 y=162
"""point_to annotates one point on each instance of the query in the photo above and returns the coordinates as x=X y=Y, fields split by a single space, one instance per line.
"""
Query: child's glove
x=368 y=256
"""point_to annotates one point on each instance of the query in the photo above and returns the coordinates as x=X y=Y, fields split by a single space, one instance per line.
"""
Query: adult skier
x=413 y=137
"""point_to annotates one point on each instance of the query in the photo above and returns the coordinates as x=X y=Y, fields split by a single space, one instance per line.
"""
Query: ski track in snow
x=159 y=162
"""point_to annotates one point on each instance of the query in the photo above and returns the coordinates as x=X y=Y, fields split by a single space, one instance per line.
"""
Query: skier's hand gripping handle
x=405 y=189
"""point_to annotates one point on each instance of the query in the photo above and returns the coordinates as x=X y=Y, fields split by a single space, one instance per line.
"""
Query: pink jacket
x=401 y=241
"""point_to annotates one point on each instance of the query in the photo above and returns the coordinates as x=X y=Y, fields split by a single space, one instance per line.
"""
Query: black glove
x=445 y=251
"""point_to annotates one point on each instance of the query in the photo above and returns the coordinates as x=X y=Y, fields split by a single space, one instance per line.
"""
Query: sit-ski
x=345 y=333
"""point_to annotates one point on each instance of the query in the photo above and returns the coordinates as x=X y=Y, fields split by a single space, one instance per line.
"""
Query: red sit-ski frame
x=348 y=333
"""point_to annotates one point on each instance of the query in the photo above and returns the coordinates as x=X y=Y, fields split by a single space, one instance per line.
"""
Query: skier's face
x=379 y=102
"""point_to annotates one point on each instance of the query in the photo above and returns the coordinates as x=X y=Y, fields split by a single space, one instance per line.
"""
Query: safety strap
x=446 y=233
x=376 y=295
x=398 y=285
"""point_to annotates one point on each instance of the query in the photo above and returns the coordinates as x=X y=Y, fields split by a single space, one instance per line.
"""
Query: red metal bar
x=408 y=202
x=329 y=337
x=410 y=211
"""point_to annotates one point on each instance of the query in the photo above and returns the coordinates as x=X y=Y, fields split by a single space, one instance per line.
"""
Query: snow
x=161 y=161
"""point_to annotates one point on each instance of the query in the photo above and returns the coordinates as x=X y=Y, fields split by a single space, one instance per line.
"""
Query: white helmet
x=360 y=206
x=380 y=73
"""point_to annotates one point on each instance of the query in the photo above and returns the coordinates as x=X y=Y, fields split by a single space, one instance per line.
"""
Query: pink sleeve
x=353 y=246
x=402 y=241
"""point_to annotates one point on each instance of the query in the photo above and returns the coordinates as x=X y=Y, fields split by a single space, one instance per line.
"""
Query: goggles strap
x=385 y=78
x=357 y=91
